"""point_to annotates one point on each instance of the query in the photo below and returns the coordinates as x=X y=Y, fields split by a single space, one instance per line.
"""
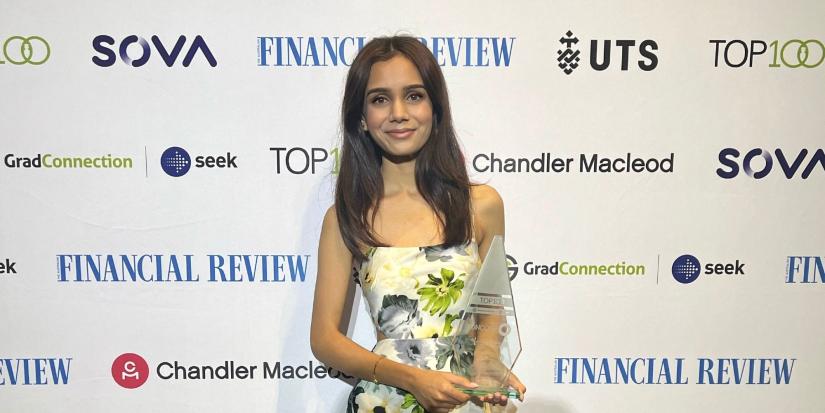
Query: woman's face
x=398 y=111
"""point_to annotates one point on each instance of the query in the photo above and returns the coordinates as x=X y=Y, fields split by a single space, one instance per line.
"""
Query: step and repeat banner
x=166 y=165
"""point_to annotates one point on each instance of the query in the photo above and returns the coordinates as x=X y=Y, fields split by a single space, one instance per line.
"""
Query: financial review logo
x=313 y=51
x=38 y=371
x=105 y=46
x=182 y=268
x=130 y=370
x=805 y=269
x=792 y=54
x=758 y=163
x=28 y=50
x=176 y=161
x=600 y=57
x=687 y=268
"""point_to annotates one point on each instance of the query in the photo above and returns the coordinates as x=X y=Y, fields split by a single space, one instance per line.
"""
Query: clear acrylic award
x=488 y=328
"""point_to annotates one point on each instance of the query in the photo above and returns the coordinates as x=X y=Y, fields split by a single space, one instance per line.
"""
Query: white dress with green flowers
x=414 y=295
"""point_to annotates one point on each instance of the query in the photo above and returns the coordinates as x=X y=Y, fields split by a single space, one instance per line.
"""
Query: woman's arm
x=328 y=343
x=489 y=210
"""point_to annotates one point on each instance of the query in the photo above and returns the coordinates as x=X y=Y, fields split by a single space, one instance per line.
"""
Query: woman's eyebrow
x=386 y=90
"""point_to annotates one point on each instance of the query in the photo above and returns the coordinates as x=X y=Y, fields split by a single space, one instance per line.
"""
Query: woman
x=411 y=227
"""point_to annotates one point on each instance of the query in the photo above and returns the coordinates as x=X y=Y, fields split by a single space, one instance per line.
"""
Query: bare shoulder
x=488 y=208
x=330 y=217
x=486 y=200
x=330 y=231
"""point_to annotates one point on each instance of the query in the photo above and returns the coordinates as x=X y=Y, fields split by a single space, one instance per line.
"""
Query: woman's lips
x=401 y=133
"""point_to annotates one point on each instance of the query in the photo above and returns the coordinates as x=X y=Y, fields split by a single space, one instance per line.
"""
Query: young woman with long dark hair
x=410 y=228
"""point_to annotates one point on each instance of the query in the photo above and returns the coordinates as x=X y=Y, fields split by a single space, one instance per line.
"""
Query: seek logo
x=687 y=268
x=7 y=267
x=176 y=161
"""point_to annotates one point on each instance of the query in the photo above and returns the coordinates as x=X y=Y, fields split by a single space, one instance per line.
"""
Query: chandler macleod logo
x=130 y=370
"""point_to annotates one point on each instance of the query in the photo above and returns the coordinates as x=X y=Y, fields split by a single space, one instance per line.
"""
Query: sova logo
x=130 y=370
x=729 y=157
x=34 y=371
x=569 y=55
x=103 y=43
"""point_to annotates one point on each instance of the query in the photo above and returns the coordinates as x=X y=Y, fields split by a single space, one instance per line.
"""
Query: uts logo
x=569 y=57
x=686 y=269
x=19 y=50
x=729 y=157
x=600 y=60
x=130 y=370
x=175 y=161
x=102 y=45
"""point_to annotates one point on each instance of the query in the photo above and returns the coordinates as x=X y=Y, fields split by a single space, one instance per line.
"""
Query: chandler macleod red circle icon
x=130 y=370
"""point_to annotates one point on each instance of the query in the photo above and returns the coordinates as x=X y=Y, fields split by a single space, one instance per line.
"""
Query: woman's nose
x=399 y=110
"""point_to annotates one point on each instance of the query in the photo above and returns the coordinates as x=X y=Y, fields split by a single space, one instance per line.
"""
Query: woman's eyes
x=412 y=97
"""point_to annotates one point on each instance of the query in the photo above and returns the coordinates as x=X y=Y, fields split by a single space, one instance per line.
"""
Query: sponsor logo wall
x=164 y=182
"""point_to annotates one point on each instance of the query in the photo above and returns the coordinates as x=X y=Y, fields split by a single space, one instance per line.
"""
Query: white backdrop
x=687 y=106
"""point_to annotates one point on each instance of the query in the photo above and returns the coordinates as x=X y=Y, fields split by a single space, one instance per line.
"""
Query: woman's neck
x=399 y=176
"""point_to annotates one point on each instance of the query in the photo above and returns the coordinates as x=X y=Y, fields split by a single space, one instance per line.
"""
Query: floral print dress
x=415 y=295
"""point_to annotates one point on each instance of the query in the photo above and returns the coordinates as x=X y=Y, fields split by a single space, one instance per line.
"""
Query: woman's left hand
x=501 y=399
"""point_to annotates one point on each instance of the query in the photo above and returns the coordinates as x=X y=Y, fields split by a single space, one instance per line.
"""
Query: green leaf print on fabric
x=439 y=293
x=410 y=401
x=459 y=351
x=448 y=323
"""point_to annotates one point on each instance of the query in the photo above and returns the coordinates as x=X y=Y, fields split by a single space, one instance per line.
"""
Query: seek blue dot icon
x=175 y=161
x=686 y=269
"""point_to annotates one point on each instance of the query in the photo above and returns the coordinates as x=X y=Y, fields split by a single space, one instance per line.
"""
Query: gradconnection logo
x=31 y=50
x=57 y=161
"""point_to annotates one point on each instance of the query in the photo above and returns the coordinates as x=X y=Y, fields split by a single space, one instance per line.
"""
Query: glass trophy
x=488 y=328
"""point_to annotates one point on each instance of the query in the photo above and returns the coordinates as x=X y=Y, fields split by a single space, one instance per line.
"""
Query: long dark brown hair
x=440 y=171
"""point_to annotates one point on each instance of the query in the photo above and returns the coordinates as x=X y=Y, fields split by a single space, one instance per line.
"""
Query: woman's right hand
x=436 y=391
